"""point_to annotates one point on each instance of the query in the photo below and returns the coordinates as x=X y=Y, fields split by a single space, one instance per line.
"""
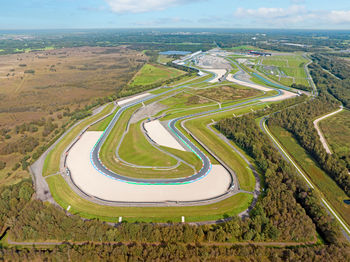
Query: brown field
x=48 y=84
x=227 y=93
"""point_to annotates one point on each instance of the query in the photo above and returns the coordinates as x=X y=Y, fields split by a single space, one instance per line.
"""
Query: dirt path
x=319 y=131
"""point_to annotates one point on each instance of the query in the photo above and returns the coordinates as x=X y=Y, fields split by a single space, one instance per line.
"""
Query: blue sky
x=59 y=14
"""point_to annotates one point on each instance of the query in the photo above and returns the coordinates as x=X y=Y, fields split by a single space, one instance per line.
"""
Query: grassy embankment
x=102 y=125
x=64 y=195
x=332 y=192
x=52 y=161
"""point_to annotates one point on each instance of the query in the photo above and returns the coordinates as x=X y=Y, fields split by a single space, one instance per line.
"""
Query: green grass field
x=151 y=74
x=108 y=158
x=137 y=150
x=333 y=193
x=102 y=125
x=163 y=59
x=65 y=196
x=243 y=47
x=185 y=99
x=336 y=130
x=52 y=161
x=290 y=65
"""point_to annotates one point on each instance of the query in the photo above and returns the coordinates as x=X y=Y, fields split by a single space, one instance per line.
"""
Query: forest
x=280 y=178
x=299 y=121
x=286 y=211
x=171 y=39
x=336 y=81
x=175 y=252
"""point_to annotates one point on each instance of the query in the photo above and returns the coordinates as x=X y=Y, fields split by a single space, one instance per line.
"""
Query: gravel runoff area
x=159 y=134
x=231 y=78
x=283 y=96
x=128 y=100
x=219 y=73
x=147 y=111
x=320 y=134
x=89 y=180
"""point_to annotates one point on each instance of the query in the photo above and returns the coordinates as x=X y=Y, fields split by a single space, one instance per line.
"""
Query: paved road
x=319 y=131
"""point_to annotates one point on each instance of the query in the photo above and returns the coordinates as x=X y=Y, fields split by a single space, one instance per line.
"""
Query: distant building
x=251 y=52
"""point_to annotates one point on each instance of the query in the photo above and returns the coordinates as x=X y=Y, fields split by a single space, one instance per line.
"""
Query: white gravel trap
x=159 y=134
x=92 y=182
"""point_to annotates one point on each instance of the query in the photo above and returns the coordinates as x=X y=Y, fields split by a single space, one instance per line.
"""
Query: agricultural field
x=152 y=74
x=336 y=130
x=286 y=69
x=43 y=92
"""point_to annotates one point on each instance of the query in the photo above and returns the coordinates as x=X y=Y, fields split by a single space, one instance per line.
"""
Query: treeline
x=39 y=222
x=286 y=193
x=336 y=66
x=175 y=252
x=301 y=87
x=326 y=82
x=183 y=68
x=12 y=201
x=299 y=121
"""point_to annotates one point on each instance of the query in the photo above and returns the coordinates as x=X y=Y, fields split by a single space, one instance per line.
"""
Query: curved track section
x=206 y=165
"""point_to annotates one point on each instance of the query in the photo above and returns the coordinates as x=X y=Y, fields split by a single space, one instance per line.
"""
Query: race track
x=93 y=178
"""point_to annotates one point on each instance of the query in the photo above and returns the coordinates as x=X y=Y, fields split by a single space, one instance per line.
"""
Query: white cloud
x=271 y=13
x=339 y=17
x=294 y=15
x=140 y=6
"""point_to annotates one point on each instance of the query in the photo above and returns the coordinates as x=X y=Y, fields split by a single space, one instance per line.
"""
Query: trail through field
x=19 y=87
x=319 y=131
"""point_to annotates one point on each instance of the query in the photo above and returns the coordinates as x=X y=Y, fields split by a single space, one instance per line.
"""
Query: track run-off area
x=100 y=168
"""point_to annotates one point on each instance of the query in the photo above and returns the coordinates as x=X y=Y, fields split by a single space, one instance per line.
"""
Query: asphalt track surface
x=206 y=164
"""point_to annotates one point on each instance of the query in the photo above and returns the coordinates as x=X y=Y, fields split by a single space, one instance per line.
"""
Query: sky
x=285 y=14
